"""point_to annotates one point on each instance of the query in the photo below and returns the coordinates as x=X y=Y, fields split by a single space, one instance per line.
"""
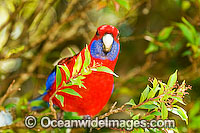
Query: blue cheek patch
x=97 y=50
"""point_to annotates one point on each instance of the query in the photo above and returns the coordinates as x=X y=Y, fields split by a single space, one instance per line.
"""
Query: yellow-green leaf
x=136 y=117
x=164 y=110
x=165 y=33
x=147 y=106
x=172 y=80
x=161 y=88
x=151 y=48
x=178 y=99
x=67 y=72
x=144 y=94
x=155 y=83
x=87 y=60
x=58 y=76
x=180 y=112
x=60 y=98
x=104 y=69
x=131 y=102
x=77 y=65
x=71 y=92
x=186 y=32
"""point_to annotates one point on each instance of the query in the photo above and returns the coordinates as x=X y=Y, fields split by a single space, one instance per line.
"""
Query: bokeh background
x=154 y=36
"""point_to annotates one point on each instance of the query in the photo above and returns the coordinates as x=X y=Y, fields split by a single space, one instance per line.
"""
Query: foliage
x=166 y=37
x=159 y=100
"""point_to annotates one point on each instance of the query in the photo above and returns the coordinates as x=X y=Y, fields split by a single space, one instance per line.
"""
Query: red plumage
x=99 y=84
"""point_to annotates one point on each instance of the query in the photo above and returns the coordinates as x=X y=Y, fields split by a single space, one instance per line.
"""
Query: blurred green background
x=157 y=37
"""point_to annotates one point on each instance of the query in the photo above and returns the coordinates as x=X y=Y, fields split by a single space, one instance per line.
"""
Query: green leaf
x=76 y=81
x=71 y=51
x=178 y=99
x=186 y=32
x=104 y=69
x=190 y=26
x=144 y=94
x=131 y=102
x=71 y=92
x=58 y=76
x=67 y=72
x=61 y=99
x=37 y=103
x=152 y=102
x=164 y=110
x=87 y=72
x=147 y=106
x=153 y=91
x=9 y=106
x=87 y=60
x=165 y=33
x=155 y=83
x=149 y=117
x=172 y=80
x=77 y=65
x=124 y=3
x=156 y=113
x=136 y=117
x=186 y=53
x=151 y=48
x=161 y=88
x=81 y=77
x=180 y=112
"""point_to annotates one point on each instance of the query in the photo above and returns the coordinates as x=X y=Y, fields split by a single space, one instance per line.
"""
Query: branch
x=9 y=91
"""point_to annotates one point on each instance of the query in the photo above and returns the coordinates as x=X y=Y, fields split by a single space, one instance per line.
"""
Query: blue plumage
x=51 y=79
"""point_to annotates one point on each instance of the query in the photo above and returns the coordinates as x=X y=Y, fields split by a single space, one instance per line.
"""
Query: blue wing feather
x=49 y=83
x=51 y=79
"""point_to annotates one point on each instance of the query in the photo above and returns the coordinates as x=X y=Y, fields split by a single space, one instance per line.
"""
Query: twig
x=9 y=91
x=51 y=106
x=113 y=111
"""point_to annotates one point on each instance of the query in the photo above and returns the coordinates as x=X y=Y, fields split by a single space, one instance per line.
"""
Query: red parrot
x=104 y=49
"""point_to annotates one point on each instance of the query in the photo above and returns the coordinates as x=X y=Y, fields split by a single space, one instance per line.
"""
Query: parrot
x=104 y=49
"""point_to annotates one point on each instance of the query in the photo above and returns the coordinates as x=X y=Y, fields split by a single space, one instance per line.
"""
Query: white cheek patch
x=107 y=40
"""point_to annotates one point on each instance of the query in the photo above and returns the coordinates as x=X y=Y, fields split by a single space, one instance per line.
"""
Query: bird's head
x=105 y=44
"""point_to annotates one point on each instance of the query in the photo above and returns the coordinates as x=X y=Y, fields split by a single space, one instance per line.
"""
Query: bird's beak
x=107 y=42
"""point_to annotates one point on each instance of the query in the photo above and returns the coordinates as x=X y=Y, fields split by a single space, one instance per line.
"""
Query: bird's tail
x=38 y=104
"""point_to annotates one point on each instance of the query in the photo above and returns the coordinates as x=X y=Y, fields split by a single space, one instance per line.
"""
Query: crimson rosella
x=98 y=86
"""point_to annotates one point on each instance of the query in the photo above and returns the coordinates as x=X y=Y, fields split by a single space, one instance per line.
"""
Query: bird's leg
x=86 y=117
x=60 y=114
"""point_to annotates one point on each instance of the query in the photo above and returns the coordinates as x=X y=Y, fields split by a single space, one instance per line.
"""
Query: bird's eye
x=97 y=33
